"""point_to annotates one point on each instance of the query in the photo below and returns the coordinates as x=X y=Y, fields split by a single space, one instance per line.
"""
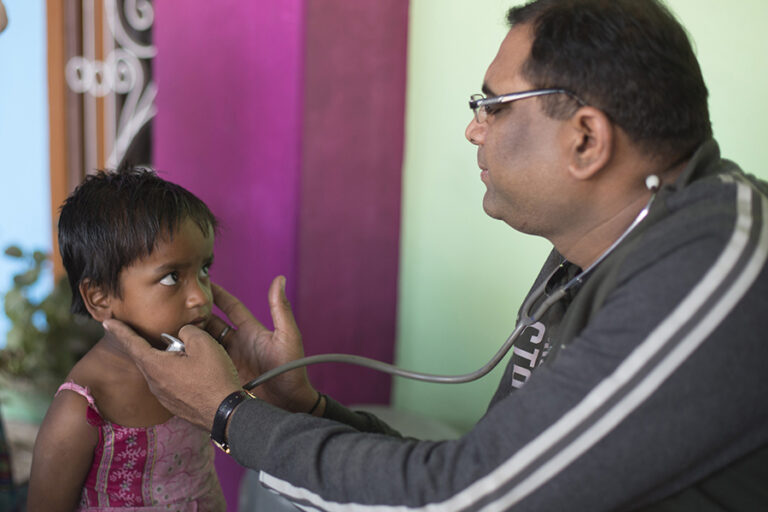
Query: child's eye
x=204 y=271
x=170 y=279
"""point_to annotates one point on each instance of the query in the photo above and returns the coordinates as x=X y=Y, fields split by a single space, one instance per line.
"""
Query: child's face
x=170 y=288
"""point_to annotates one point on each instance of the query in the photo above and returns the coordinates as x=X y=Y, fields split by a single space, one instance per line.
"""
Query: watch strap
x=225 y=410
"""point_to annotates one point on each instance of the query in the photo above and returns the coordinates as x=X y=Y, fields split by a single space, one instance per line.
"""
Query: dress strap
x=80 y=390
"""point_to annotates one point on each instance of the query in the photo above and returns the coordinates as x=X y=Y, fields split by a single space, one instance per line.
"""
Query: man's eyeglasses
x=483 y=106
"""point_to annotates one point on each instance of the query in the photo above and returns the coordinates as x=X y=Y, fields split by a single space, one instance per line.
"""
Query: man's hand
x=255 y=349
x=190 y=385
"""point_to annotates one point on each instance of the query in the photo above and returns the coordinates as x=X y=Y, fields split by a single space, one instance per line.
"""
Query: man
x=643 y=387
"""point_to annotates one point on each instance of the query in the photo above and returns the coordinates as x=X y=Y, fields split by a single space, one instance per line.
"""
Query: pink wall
x=287 y=119
x=349 y=224
x=228 y=128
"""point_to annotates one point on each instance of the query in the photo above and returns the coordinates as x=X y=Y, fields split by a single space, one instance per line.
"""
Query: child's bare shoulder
x=97 y=377
x=66 y=419
x=90 y=372
x=118 y=389
x=66 y=439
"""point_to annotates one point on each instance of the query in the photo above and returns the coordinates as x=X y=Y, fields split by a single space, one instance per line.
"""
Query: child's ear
x=96 y=301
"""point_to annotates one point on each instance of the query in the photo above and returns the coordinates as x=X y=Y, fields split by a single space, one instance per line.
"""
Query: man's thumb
x=280 y=308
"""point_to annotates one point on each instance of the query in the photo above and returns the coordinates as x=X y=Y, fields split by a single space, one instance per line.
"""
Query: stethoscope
x=528 y=316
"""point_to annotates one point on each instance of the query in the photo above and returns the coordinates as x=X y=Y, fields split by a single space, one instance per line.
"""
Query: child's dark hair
x=114 y=218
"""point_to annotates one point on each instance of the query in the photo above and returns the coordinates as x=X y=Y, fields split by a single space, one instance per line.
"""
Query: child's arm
x=62 y=455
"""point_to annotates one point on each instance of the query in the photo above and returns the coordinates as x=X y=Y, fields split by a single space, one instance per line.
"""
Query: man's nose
x=475 y=132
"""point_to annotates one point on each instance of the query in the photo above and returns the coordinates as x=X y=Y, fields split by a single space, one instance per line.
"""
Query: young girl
x=136 y=248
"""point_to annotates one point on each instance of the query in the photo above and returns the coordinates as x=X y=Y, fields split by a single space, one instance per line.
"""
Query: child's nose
x=199 y=294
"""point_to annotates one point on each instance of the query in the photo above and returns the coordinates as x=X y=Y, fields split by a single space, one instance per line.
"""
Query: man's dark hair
x=114 y=218
x=630 y=58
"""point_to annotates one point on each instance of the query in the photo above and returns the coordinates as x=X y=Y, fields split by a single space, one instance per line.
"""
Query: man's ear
x=591 y=142
x=97 y=302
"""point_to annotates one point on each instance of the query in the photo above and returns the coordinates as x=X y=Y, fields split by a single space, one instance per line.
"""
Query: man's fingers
x=232 y=307
x=193 y=334
x=280 y=308
x=136 y=346
x=216 y=327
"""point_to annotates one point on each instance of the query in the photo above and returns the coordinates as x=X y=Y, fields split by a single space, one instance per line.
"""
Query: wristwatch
x=225 y=410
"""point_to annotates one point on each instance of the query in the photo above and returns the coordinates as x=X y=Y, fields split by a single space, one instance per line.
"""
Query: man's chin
x=514 y=221
x=489 y=208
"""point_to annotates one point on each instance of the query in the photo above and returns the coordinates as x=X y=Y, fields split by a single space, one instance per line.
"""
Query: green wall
x=462 y=274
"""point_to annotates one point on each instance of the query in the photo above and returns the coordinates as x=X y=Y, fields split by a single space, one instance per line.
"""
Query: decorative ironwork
x=113 y=75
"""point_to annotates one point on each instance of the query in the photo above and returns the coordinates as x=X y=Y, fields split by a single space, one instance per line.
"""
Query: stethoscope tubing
x=525 y=321
x=420 y=376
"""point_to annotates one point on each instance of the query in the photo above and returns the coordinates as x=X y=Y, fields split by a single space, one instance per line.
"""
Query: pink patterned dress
x=166 y=467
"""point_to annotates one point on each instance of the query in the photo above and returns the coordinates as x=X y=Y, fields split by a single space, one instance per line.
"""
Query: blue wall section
x=24 y=190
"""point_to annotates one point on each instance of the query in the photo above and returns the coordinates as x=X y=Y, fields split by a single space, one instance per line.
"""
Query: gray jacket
x=646 y=387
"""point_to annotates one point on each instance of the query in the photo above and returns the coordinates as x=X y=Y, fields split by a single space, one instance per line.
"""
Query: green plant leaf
x=27 y=278
x=39 y=257
x=45 y=340
x=17 y=306
x=14 y=338
x=14 y=252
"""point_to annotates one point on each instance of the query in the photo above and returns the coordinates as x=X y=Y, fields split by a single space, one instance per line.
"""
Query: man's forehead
x=505 y=71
